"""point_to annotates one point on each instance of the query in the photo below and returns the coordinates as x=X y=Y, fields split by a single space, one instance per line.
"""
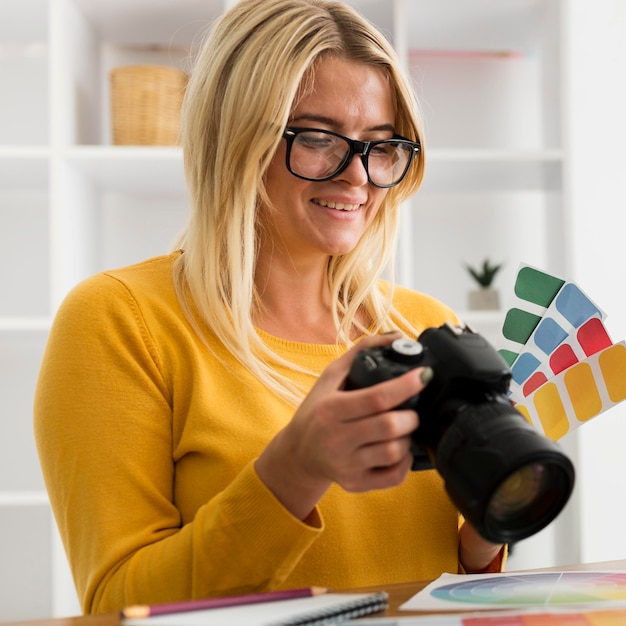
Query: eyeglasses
x=317 y=155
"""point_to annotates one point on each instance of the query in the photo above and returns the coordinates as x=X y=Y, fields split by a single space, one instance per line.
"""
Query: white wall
x=596 y=98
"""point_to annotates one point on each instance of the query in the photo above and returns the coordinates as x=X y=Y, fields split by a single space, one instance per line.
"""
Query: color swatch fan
x=566 y=370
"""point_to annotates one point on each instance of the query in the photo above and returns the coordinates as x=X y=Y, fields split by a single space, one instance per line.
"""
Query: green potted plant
x=485 y=297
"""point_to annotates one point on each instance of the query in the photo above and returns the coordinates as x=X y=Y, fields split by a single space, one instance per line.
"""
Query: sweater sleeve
x=103 y=427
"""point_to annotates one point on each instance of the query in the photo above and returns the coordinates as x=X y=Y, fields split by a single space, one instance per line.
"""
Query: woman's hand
x=475 y=553
x=353 y=438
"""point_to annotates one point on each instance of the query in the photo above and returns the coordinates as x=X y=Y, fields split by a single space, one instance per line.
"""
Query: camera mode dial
x=406 y=351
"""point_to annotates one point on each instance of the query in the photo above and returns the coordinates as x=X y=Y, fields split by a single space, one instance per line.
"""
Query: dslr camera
x=504 y=477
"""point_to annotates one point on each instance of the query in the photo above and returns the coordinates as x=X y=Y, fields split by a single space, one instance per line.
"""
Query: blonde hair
x=258 y=58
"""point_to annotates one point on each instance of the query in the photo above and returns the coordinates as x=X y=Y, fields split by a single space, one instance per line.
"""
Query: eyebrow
x=329 y=121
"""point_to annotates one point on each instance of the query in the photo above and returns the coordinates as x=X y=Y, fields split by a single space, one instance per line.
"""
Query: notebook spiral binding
x=371 y=603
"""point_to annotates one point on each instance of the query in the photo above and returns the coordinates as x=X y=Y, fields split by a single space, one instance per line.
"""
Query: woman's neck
x=295 y=301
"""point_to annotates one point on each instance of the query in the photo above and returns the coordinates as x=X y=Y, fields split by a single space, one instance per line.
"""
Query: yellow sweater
x=147 y=441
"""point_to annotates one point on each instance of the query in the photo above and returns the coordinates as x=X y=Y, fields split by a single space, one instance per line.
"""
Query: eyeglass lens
x=319 y=155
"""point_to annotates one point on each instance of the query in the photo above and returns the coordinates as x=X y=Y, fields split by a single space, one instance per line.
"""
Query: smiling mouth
x=339 y=206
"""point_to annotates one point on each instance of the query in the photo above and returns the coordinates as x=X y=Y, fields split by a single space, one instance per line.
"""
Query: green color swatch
x=519 y=325
x=535 y=286
x=508 y=356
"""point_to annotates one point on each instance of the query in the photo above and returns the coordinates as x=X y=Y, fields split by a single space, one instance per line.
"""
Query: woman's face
x=329 y=217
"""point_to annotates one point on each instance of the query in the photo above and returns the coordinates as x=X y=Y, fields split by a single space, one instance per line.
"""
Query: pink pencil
x=141 y=611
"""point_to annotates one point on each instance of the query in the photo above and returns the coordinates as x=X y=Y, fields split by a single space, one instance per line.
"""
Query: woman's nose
x=355 y=173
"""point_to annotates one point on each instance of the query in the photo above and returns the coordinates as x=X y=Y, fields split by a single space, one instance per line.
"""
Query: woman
x=191 y=417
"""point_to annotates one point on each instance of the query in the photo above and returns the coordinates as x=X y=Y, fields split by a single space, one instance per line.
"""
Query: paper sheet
x=539 y=589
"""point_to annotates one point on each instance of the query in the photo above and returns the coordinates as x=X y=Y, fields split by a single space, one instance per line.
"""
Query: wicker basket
x=145 y=104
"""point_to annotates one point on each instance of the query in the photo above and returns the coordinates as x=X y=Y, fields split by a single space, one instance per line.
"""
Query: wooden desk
x=398 y=594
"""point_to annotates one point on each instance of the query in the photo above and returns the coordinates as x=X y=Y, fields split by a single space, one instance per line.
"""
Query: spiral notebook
x=321 y=610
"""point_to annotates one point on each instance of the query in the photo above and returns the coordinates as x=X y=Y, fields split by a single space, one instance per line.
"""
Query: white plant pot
x=485 y=299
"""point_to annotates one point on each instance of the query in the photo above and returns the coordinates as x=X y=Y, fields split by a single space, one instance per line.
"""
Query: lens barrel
x=505 y=478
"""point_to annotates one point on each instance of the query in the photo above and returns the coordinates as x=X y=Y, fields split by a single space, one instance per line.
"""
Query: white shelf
x=493 y=170
x=130 y=168
x=25 y=324
x=487 y=75
x=24 y=498
x=487 y=323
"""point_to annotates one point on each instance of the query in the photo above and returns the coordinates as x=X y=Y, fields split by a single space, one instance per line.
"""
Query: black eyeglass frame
x=362 y=148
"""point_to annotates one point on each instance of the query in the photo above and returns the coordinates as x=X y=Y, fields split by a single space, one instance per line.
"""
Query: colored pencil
x=166 y=608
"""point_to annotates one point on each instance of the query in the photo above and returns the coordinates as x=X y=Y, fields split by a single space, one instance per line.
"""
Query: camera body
x=504 y=476
x=467 y=371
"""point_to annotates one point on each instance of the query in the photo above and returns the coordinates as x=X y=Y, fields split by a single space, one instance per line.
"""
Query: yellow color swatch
x=583 y=392
x=524 y=411
x=612 y=362
x=551 y=411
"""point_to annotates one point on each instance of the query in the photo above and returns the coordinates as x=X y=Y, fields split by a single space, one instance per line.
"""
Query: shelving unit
x=71 y=204
x=487 y=74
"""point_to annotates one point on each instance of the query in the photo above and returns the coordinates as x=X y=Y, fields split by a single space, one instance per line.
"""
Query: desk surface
x=398 y=594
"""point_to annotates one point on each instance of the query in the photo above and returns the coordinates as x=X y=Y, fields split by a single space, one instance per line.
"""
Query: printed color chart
x=523 y=590
x=565 y=367
x=538 y=589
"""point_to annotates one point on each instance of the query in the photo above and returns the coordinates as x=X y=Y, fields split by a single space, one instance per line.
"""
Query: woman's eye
x=314 y=141
x=382 y=149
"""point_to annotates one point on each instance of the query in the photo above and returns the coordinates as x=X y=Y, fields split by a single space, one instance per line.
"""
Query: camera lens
x=505 y=478
x=529 y=498
x=519 y=490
